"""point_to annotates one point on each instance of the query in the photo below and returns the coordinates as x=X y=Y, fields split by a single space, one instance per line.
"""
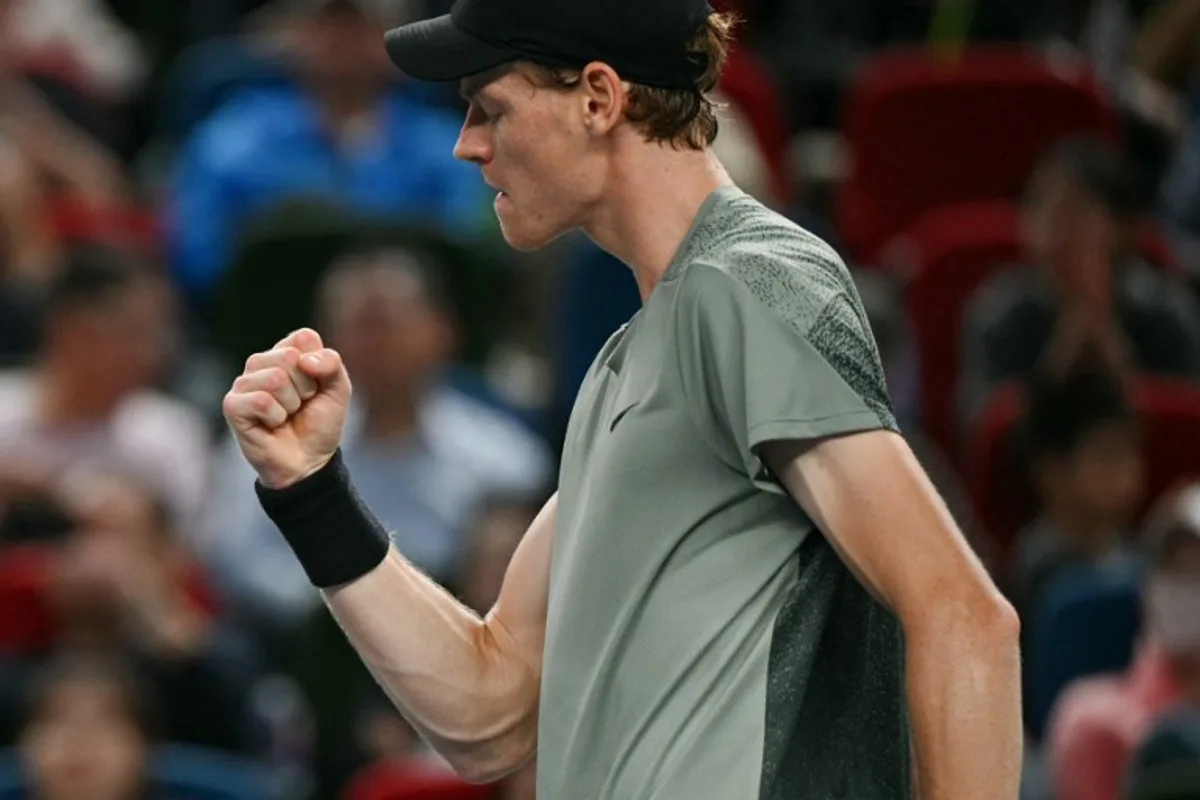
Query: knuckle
x=289 y=357
x=274 y=379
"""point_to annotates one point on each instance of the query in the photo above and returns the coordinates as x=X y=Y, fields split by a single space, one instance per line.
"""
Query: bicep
x=869 y=496
x=520 y=610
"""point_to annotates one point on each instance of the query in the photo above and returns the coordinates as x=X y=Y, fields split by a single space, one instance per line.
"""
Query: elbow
x=489 y=763
x=998 y=621
x=974 y=613
x=499 y=738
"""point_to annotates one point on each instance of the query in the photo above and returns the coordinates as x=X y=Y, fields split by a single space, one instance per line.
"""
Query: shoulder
x=787 y=268
x=780 y=292
x=753 y=253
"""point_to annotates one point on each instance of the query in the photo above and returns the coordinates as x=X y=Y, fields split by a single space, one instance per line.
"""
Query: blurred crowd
x=1014 y=184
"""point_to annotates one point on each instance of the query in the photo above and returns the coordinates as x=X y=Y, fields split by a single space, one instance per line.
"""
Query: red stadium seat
x=1170 y=413
x=27 y=624
x=924 y=130
x=946 y=256
x=388 y=781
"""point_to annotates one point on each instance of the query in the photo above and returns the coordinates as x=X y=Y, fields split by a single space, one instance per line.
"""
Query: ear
x=603 y=95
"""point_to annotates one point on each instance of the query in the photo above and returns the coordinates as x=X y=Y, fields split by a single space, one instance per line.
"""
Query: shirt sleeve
x=776 y=359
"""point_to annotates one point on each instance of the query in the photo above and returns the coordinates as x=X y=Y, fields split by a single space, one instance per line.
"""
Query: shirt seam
x=865 y=412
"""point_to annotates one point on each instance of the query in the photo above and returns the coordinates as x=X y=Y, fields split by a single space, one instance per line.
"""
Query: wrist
x=333 y=534
x=280 y=480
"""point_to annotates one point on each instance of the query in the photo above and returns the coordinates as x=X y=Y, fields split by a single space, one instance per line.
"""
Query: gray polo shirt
x=704 y=642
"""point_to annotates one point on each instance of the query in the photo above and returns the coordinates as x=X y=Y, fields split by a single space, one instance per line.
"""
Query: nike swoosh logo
x=620 y=415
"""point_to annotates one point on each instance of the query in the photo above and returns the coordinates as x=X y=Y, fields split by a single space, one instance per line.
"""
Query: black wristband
x=334 y=535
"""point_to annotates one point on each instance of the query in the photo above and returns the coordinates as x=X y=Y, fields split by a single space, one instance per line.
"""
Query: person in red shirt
x=1100 y=721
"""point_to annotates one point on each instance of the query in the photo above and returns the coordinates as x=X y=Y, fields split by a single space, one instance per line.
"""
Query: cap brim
x=437 y=50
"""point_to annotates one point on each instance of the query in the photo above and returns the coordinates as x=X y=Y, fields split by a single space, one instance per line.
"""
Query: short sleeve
x=775 y=360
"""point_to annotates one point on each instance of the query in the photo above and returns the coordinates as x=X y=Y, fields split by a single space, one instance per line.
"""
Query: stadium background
x=1015 y=185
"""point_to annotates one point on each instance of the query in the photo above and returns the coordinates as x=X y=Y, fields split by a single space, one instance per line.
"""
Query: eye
x=489 y=111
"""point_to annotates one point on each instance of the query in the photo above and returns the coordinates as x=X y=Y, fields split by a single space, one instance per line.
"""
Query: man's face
x=533 y=147
x=1064 y=226
x=121 y=345
x=389 y=334
x=83 y=744
x=1101 y=481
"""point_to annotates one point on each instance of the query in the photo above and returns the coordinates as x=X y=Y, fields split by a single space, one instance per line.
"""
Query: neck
x=652 y=201
x=63 y=399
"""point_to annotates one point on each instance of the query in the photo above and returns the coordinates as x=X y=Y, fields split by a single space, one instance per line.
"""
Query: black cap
x=645 y=41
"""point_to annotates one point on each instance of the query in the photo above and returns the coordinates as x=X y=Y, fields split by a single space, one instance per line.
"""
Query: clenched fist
x=288 y=408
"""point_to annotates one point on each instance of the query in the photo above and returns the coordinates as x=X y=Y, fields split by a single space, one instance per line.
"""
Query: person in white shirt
x=89 y=393
x=428 y=454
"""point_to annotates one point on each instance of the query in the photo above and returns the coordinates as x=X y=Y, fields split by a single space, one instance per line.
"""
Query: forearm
x=461 y=681
x=468 y=685
x=964 y=694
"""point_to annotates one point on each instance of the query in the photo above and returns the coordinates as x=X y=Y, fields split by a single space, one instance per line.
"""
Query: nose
x=474 y=143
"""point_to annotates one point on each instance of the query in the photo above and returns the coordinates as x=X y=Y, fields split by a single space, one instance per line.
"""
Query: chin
x=527 y=238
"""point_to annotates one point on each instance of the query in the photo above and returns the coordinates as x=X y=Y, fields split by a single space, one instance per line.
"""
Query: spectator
x=106 y=337
x=90 y=732
x=124 y=583
x=423 y=453
x=1100 y=721
x=340 y=135
x=43 y=156
x=1086 y=286
x=1081 y=445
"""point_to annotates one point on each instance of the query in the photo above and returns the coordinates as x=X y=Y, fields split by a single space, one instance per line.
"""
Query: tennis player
x=745 y=586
